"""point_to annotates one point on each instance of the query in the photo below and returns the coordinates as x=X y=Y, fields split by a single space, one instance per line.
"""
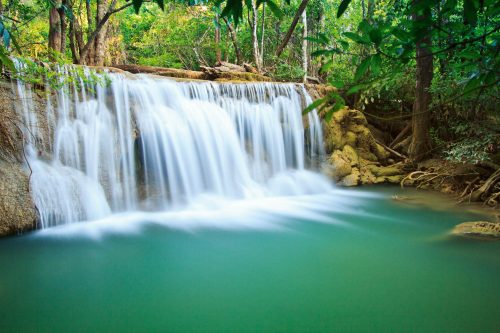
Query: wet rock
x=367 y=177
x=17 y=211
x=477 y=229
x=341 y=165
x=353 y=179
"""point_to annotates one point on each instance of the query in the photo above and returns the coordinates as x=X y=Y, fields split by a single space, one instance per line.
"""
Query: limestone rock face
x=351 y=127
x=355 y=156
x=478 y=229
x=17 y=211
x=341 y=165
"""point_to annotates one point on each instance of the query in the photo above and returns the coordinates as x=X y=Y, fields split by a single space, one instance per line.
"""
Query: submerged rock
x=477 y=229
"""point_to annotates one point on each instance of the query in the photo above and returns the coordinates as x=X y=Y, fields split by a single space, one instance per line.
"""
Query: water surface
x=349 y=261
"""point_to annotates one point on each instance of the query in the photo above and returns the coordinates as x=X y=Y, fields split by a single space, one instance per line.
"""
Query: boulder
x=383 y=171
x=349 y=126
x=353 y=179
x=341 y=165
x=481 y=229
x=349 y=139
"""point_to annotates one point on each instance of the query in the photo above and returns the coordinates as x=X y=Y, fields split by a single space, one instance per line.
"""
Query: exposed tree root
x=489 y=190
x=467 y=182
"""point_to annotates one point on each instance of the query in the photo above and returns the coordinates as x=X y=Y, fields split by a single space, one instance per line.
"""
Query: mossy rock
x=367 y=177
x=351 y=155
x=353 y=179
x=477 y=229
x=367 y=155
x=380 y=152
x=341 y=166
x=395 y=179
x=349 y=138
x=383 y=171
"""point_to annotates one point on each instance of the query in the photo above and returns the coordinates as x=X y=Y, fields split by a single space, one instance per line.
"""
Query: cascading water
x=156 y=144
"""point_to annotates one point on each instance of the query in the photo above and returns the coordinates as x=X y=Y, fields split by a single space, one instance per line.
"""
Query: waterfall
x=141 y=143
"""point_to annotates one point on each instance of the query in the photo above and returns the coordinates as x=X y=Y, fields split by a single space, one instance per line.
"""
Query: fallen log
x=169 y=72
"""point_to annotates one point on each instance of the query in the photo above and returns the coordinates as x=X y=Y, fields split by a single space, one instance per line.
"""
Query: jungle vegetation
x=425 y=71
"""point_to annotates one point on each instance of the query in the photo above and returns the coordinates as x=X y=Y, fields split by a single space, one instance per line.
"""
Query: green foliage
x=5 y=59
x=368 y=54
x=182 y=37
x=474 y=145
x=286 y=71
x=51 y=77
x=234 y=9
x=137 y=4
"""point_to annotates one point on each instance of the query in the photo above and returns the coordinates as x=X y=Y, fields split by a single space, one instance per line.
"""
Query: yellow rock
x=341 y=165
x=350 y=154
x=351 y=179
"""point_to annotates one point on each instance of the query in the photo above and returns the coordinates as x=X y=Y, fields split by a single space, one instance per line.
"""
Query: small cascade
x=126 y=144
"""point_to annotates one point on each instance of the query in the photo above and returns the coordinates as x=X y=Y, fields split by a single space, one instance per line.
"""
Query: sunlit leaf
x=314 y=105
x=5 y=59
x=274 y=9
x=355 y=89
x=362 y=68
x=326 y=67
x=357 y=38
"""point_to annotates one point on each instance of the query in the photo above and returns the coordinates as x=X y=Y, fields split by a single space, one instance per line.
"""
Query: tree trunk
x=218 y=57
x=262 y=31
x=87 y=57
x=304 y=45
x=322 y=59
x=421 y=144
x=1 y=37
x=370 y=11
x=255 y=39
x=62 y=18
x=72 y=44
x=100 y=38
x=54 y=33
x=289 y=33
x=85 y=53
x=78 y=35
x=234 y=39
